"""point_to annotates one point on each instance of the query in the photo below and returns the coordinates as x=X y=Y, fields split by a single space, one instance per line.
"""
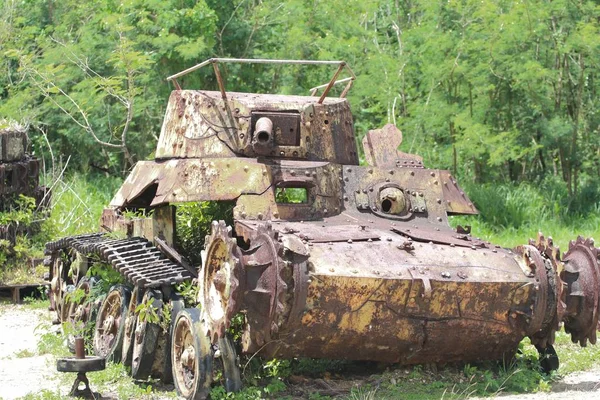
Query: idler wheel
x=110 y=324
x=191 y=356
x=582 y=277
x=146 y=335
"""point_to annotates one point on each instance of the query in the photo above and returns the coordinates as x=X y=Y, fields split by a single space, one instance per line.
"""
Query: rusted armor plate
x=397 y=305
x=457 y=201
x=320 y=232
x=381 y=149
x=177 y=181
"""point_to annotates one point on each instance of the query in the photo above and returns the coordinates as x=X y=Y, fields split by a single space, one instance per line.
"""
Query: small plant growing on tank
x=189 y=292
x=146 y=312
x=139 y=213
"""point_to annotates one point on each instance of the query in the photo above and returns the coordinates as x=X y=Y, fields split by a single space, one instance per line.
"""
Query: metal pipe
x=347 y=89
x=219 y=80
x=263 y=130
x=79 y=348
x=214 y=61
x=254 y=61
x=335 y=83
x=330 y=85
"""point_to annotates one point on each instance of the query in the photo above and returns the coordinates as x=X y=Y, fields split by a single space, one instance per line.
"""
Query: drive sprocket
x=266 y=288
x=220 y=292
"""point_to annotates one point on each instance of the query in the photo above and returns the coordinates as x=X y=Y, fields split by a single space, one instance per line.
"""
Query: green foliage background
x=497 y=91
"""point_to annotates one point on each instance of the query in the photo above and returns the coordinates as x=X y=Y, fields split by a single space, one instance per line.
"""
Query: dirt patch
x=583 y=385
x=22 y=371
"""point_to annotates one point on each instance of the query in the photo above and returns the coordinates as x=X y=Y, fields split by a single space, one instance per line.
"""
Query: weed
x=140 y=213
x=272 y=390
x=78 y=202
x=146 y=312
x=277 y=368
x=51 y=343
x=117 y=378
x=573 y=357
x=39 y=302
x=21 y=212
x=193 y=223
x=188 y=290
x=44 y=394
x=25 y=353
x=363 y=393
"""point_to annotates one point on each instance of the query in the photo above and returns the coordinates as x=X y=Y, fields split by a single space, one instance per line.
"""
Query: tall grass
x=511 y=214
x=77 y=204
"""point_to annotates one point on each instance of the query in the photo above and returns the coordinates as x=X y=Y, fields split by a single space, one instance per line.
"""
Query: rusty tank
x=324 y=255
x=19 y=176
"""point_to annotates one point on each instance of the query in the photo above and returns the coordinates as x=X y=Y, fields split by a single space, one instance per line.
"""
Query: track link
x=136 y=259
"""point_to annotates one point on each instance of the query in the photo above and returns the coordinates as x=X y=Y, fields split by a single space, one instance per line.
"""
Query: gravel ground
x=583 y=385
x=22 y=371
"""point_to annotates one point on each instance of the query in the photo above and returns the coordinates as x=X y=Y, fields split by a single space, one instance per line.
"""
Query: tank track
x=136 y=259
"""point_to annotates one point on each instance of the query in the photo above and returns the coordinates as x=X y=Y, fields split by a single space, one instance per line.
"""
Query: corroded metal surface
x=381 y=149
x=19 y=172
x=396 y=305
x=202 y=124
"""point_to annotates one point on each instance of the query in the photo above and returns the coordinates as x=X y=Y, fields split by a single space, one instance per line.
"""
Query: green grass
x=77 y=204
x=38 y=303
x=511 y=215
x=25 y=353
x=573 y=357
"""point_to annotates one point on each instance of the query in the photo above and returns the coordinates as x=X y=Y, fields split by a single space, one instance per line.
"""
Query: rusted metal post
x=347 y=88
x=219 y=80
x=79 y=348
x=330 y=85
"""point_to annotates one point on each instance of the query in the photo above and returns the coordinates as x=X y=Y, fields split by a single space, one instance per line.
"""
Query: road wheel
x=226 y=361
x=110 y=323
x=147 y=331
x=177 y=305
x=130 y=324
x=191 y=356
